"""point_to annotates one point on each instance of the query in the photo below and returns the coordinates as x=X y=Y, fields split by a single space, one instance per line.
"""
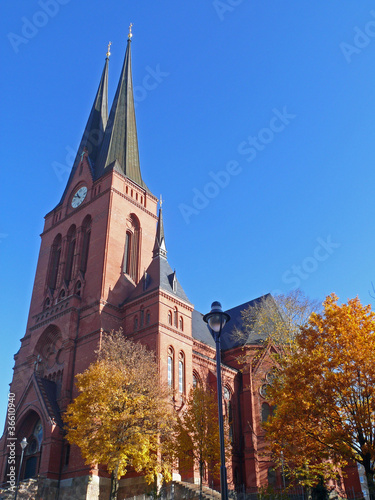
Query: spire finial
x=130 y=34
x=109 y=50
x=161 y=201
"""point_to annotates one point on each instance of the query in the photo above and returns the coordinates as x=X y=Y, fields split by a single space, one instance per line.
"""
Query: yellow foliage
x=121 y=413
x=197 y=431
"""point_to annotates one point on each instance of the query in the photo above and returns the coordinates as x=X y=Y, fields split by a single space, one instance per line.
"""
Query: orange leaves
x=329 y=414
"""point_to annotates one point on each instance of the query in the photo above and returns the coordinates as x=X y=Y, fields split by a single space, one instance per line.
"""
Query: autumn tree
x=122 y=413
x=325 y=395
x=276 y=319
x=197 y=432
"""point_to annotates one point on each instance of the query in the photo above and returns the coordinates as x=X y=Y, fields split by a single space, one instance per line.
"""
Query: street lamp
x=23 y=443
x=216 y=319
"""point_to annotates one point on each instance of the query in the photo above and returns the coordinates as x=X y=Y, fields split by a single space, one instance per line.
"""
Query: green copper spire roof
x=94 y=131
x=120 y=143
x=97 y=122
x=159 y=247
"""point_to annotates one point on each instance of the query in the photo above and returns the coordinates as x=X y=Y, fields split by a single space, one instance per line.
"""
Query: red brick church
x=103 y=265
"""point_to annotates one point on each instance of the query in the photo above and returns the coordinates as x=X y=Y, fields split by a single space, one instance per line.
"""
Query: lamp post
x=216 y=319
x=23 y=443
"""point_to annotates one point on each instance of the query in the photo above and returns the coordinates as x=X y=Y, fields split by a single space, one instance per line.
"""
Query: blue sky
x=258 y=129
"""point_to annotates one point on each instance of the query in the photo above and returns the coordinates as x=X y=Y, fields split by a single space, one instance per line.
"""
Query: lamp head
x=216 y=318
x=24 y=443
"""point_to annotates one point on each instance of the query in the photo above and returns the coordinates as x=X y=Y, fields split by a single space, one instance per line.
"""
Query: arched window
x=62 y=295
x=71 y=243
x=32 y=451
x=128 y=240
x=169 y=318
x=148 y=317
x=86 y=235
x=181 y=324
x=135 y=322
x=78 y=288
x=196 y=380
x=54 y=262
x=228 y=411
x=142 y=315
x=266 y=412
x=181 y=373
x=175 y=317
x=228 y=405
x=170 y=367
x=131 y=251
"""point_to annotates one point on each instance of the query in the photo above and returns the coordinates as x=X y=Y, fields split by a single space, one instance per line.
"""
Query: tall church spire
x=120 y=143
x=96 y=124
x=159 y=247
x=94 y=131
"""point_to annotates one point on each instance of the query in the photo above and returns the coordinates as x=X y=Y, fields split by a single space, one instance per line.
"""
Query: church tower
x=102 y=265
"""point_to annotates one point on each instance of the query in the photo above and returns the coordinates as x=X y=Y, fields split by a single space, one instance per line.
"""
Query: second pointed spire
x=120 y=144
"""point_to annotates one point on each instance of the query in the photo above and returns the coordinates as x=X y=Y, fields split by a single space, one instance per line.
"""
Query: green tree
x=197 y=432
x=325 y=395
x=122 y=415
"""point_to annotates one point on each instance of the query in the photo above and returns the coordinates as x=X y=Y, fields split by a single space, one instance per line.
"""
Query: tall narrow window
x=228 y=411
x=170 y=368
x=71 y=242
x=54 y=262
x=128 y=237
x=181 y=373
x=142 y=316
x=131 y=252
x=175 y=317
x=169 y=318
x=86 y=235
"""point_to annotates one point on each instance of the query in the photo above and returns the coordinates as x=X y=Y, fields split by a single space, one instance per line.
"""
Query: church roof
x=159 y=275
x=202 y=333
x=95 y=127
x=200 y=329
x=120 y=140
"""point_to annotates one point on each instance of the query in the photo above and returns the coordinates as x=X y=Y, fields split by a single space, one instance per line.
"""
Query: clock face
x=79 y=196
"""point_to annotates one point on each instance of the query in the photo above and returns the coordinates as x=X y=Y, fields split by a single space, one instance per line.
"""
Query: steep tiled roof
x=202 y=333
